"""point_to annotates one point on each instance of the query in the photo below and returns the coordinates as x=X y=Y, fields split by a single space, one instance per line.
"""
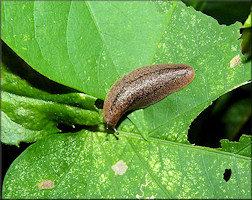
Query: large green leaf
x=88 y=45
x=80 y=165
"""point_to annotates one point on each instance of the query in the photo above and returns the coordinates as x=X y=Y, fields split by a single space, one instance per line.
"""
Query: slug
x=143 y=87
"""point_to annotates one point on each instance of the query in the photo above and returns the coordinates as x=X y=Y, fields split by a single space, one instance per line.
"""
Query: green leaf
x=246 y=41
x=248 y=23
x=88 y=50
x=93 y=165
x=243 y=147
x=246 y=36
x=87 y=45
x=19 y=116
x=29 y=113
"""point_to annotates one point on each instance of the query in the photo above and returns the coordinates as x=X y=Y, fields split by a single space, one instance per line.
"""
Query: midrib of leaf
x=70 y=166
x=166 y=142
x=236 y=172
x=110 y=164
x=243 y=148
x=169 y=16
x=33 y=98
x=181 y=168
x=66 y=42
x=67 y=37
x=92 y=161
x=208 y=99
x=188 y=146
x=35 y=35
x=101 y=35
x=209 y=180
x=147 y=168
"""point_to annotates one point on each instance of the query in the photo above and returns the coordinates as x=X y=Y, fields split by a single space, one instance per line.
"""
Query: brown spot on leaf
x=46 y=184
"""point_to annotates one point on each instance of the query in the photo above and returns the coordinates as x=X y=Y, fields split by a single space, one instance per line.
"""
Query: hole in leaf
x=64 y=128
x=99 y=103
x=67 y=128
x=222 y=120
x=227 y=174
x=9 y=154
x=223 y=11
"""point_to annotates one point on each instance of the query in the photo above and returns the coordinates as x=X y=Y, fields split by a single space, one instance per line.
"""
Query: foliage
x=87 y=46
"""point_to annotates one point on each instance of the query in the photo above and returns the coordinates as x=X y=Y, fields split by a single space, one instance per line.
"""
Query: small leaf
x=243 y=147
x=246 y=31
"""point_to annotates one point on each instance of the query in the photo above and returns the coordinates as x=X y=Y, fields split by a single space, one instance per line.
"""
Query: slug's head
x=110 y=115
x=113 y=108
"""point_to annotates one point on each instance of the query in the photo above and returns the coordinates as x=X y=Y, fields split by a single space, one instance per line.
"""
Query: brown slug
x=143 y=87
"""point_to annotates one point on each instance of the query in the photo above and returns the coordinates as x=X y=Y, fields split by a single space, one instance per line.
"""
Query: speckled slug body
x=143 y=87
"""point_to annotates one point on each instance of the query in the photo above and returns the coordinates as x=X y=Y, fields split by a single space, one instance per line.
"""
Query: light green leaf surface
x=248 y=23
x=243 y=147
x=87 y=45
x=81 y=166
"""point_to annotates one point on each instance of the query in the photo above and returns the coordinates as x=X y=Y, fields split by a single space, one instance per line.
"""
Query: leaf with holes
x=87 y=45
x=93 y=165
